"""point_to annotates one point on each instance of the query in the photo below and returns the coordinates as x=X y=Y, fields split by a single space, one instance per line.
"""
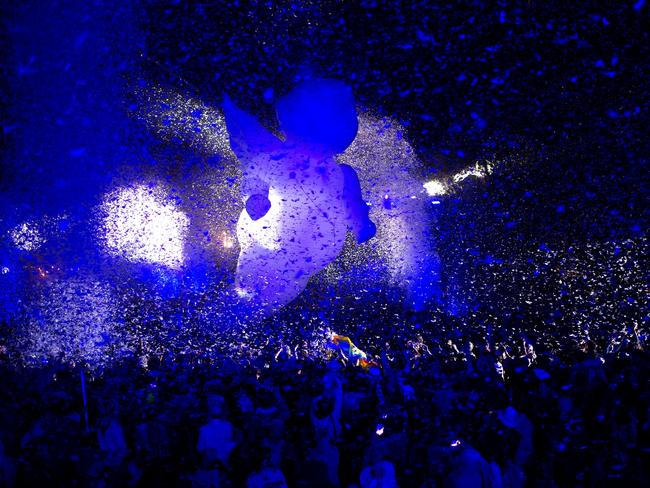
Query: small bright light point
x=435 y=188
x=5 y=270
x=227 y=241
x=380 y=430
x=141 y=226
x=27 y=237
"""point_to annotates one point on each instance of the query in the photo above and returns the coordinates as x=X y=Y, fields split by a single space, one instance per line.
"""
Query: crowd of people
x=478 y=406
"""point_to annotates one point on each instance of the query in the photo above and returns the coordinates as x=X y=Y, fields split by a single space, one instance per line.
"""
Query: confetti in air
x=27 y=236
x=173 y=116
x=362 y=243
x=74 y=320
x=141 y=225
x=390 y=175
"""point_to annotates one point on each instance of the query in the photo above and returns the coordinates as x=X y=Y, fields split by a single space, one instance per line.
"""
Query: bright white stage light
x=477 y=171
x=141 y=225
x=435 y=188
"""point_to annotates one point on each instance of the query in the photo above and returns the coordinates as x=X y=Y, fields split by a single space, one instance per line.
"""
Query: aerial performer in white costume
x=299 y=202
